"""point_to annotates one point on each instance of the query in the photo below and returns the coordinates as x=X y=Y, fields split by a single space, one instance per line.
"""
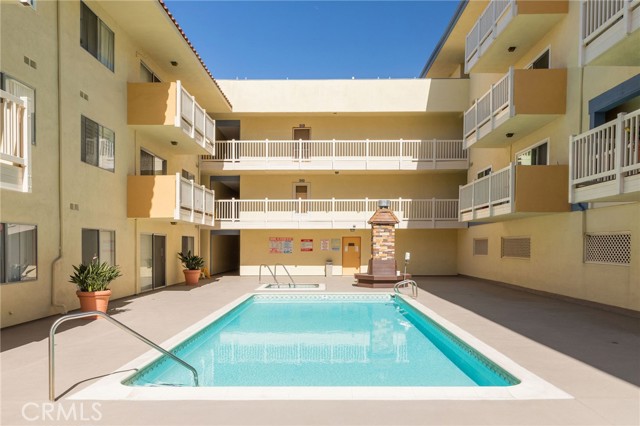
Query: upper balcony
x=337 y=155
x=605 y=161
x=609 y=32
x=514 y=192
x=169 y=197
x=171 y=115
x=505 y=25
x=15 y=146
x=519 y=103
x=333 y=213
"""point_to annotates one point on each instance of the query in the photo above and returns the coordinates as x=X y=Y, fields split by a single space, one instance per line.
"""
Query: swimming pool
x=325 y=340
x=261 y=362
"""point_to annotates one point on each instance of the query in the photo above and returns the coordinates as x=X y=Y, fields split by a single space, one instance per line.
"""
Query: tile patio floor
x=592 y=354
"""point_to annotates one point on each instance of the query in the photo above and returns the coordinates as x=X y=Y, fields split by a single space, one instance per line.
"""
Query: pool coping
x=265 y=287
x=531 y=386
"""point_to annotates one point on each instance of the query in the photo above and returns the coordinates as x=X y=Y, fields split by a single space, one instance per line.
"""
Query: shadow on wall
x=605 y=340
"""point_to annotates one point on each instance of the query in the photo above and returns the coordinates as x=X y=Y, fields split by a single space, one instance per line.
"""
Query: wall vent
x=613 y=248
x=480 y=246
x=519 y=247
x=33 y=64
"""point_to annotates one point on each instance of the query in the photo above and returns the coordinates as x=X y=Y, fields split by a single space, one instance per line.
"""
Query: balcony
x=609 y=32
x=513 y=192
x=15 y=146
x=505 y=24
x=519 y=103
x=337 y=155
x=604 y=162
x=333 y=213
x=170 y=197
x=169 y=114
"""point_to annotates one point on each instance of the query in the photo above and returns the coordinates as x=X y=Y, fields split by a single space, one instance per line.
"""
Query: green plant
x=191 y=261
x=94 y=276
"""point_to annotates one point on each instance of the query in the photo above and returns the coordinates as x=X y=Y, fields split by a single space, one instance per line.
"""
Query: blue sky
x=313 y=39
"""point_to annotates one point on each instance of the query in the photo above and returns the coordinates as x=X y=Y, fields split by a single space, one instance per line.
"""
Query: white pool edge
x=531 y=386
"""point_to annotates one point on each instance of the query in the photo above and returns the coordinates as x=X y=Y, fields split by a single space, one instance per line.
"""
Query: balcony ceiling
x=155 y=34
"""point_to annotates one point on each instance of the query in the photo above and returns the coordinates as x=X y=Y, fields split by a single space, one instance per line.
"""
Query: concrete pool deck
x=591 y=354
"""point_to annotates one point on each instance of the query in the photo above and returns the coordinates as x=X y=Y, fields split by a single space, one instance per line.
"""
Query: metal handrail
x=69 y=317
x=275 y=268
x=270 y=271
x=403 y=283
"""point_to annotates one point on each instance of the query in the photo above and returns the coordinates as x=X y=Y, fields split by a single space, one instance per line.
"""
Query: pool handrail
x=264 y=265
x=275 y=267
x=404 y=283
x=54 y=326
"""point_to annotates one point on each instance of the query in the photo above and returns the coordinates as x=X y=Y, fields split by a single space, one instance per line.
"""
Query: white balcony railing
x=14 y=142
x=340 y=154
x=194 y=203
x=599 y=17
x=333 y=213
x=488 y=193
x=607 y=154
x=489 y=106
x=193 y=119
x=486 y=28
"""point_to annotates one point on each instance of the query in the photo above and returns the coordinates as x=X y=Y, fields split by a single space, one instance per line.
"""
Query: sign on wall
x=335 y=244
x=306 y=244
x=280 y=245
x=324 y=245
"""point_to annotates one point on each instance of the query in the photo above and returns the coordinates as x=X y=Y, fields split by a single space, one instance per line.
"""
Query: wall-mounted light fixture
x=174 y=63
x=509 y=135
x=174 y=143
x=511 y=49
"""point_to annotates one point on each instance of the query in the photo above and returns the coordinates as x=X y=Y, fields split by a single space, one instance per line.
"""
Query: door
x=301 y=192
x=159 y=261
x=301 y=149
x=350 y=255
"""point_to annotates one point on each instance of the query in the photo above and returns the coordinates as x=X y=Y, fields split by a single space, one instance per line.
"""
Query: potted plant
x=93 y=280
x=192 y=263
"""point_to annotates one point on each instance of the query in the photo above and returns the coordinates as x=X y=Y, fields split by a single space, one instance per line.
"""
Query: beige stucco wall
x=433 y=252
x=556 y=263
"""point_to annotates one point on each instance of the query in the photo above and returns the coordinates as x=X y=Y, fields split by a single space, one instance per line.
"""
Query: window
x=152 y=165
x=97 y=145
x=541 y=62
x=18 y=252
x=95 y=37
x=100 y=245
x=535 y=156
x=480 y=246
x=612 y=248
x=517 y=247
x=484 y=172
x=147 y=75
x=19 y=89
x=188 y=245
x=188 y=176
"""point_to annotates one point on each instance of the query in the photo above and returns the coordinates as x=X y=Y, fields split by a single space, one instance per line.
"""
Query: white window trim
x=151 y=71
x=531 y=147
x=542 y=52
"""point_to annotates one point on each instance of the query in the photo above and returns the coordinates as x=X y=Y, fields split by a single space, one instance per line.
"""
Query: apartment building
x=514 y=158
x=552 y=131
x=105 y=114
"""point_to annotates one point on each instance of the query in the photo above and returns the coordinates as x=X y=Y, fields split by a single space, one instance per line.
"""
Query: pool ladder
x=274 y=273
x=52 y=332
x=404 y=283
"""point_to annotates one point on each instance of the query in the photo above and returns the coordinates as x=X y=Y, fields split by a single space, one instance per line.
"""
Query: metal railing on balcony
x=610 y=152
x=193 y=119
x=334 y=211
x=485 y=109
x=488 y=192
x=14 y=141
x=486 y=27
x=194 y=203
x=337 y=153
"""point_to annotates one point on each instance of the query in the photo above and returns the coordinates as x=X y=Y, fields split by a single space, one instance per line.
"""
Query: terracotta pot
x=94 y=301
x=191 y=276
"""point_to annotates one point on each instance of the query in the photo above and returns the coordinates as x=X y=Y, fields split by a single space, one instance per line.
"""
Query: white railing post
x=619 y=150
x=333 y=212
x=233 y=150
x=400 y=155
x=266 y=210
x=510 y=86
x=178 y=118
x=512 y=186
x=333 y=154
x=204 y=204
x=192 y=216
x=434 y=154
x=366 y=161
x=571 y=166
x=433 y=212
x=266 y=150
x=233 y=209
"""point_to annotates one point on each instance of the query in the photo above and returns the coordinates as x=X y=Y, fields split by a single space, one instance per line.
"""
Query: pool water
x=324 y=340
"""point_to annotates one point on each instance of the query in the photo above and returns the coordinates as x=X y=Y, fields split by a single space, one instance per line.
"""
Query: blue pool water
x=325 y=340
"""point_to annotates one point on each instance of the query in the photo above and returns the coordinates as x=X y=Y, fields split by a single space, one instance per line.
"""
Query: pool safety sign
x=280 y=245
x=306 y=244
x=324 y=245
